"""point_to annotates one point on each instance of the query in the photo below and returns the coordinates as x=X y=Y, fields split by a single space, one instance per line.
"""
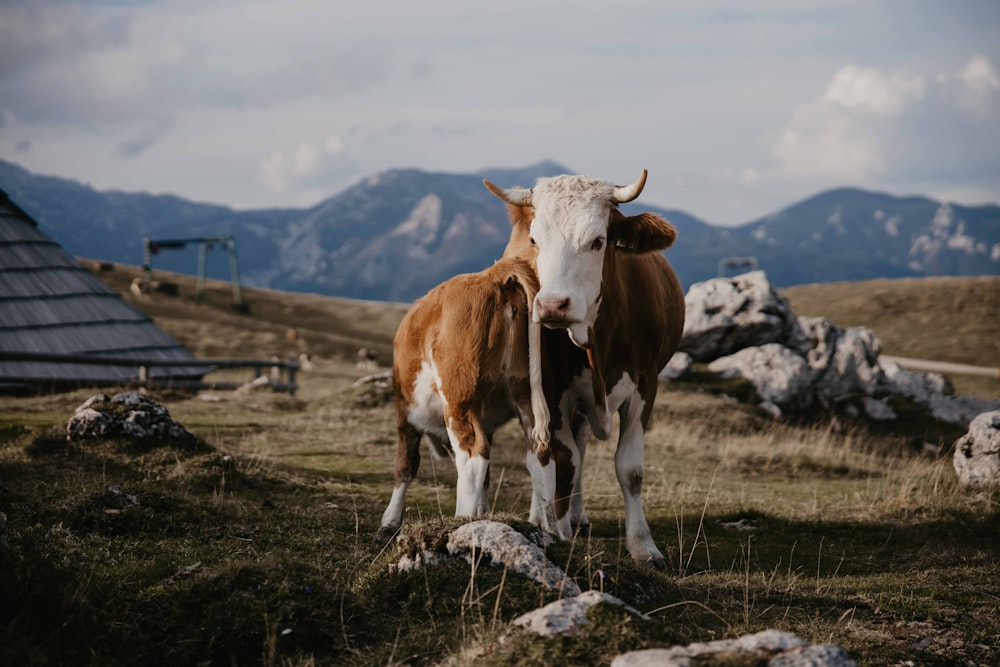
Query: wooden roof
x=50 y=304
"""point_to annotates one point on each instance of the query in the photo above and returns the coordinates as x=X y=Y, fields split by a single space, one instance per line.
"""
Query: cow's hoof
x=657 y=563
x=386 y=533
x=582 y=529
x=653 y=559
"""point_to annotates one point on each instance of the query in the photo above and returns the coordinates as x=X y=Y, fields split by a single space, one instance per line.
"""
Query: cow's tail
x=539 y=406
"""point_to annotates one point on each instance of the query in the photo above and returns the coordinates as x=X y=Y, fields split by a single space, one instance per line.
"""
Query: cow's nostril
x=552 y=307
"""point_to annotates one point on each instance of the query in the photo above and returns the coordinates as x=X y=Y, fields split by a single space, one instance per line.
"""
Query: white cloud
x=334 y=145
x=868 y=89
x=979 y=93
x=825 y=147
x=980 y=74
x=306 y=159
x=873 y=126
x=272 y=172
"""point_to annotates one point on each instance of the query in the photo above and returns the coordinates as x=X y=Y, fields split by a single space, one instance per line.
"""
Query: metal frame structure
x=151 y=247
x=744 y=264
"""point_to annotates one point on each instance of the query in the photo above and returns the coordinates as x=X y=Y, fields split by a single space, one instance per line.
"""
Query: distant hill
x=395 y=234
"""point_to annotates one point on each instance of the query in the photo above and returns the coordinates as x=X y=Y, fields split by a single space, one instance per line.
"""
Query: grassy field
x=840 y=532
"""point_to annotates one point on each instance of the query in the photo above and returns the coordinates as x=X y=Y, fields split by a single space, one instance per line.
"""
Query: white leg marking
x=471 y=496
x=628 y=468
x=543 y=486
x=393 y=515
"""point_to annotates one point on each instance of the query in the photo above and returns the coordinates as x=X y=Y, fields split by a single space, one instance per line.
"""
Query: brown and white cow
x=602 y=280
x=466 y=358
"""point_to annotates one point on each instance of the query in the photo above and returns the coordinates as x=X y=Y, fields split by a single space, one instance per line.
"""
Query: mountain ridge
x=396 y=233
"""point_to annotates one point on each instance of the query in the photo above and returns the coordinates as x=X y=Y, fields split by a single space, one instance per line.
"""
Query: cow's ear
x=520 y=215
x=646 y=232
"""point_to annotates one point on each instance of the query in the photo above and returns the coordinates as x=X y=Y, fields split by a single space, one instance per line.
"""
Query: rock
x=678 y=366
x=771 y=647
x=90 y=424
x=569 y=615
x=488 y=542
x=746 y=329
x=372 y=391
x=977 y=453
x=506 y=547
x=771 y=409
x=878 y=409
x=935 y=392
x=128 y=414
x=779 y=375
x=725 y=315
x=843 y=361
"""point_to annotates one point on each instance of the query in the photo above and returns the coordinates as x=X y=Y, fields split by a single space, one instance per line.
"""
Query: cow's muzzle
x=554 y=311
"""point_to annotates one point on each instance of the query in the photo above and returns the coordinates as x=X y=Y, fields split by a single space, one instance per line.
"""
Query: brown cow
x=466 y=359
x=602 y=280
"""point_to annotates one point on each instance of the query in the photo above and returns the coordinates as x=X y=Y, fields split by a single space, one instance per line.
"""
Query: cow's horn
x=515 y=196
x=624 y=193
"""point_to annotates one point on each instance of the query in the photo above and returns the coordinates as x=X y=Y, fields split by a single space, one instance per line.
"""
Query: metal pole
x=202 y=247
x=147 y=260
x=234 y=271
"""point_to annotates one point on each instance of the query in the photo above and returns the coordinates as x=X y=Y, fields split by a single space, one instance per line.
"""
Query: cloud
x=306 y=159
x=272 y=172
x=980 y=84
x=282 y=171
x=832 y=149
x=873 y=126
x=868 y=89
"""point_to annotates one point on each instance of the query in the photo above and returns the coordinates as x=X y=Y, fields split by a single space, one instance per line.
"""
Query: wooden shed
x=52 y=307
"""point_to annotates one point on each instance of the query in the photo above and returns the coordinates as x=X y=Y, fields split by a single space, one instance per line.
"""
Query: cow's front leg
x=628 y=468
x=407 y=463
x=472 y=462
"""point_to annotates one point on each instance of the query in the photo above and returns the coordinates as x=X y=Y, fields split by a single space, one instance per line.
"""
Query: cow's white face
x=570 y=232
x=574 y=224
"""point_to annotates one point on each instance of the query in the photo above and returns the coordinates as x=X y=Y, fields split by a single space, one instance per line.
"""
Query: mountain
x=395 y=234
x=851 y=234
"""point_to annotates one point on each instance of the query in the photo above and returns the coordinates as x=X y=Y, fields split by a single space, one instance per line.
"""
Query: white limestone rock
x=977 y=453
x=569 y=615
x=678 y=366
x=506 y=547
x=724 y=315
x=779 y=649
x=779 y=375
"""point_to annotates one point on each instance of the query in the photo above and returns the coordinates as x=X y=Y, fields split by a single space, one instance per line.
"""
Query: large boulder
x=844 y=361
x=934 y=392
x=779 y=375
x=746 y=329
x=977 y=453
x=725 y=315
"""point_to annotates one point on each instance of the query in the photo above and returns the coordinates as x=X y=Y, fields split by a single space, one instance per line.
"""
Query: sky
x=737 y=109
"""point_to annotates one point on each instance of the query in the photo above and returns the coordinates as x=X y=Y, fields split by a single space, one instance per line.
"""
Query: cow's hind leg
x=407 y=463
x=472 y=461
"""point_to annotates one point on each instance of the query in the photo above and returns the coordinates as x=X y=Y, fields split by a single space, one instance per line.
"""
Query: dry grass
x=839 y=532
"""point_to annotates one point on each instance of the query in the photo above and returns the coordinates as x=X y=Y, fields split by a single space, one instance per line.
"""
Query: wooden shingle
x=49 y=304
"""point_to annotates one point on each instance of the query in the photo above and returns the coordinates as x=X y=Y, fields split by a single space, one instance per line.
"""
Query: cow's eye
x=598 y=243
x=531 y=239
